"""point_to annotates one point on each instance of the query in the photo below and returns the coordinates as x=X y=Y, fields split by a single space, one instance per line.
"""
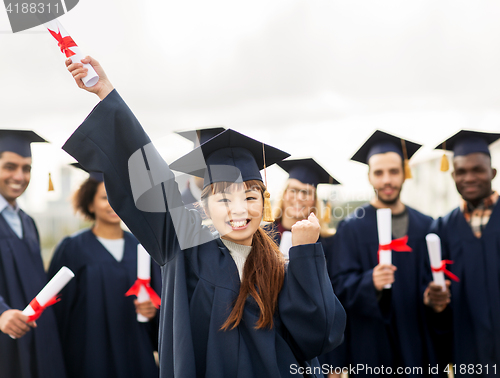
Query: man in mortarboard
x=470 y=237
x=386 y=327
x=29 y=349
x=192 y=194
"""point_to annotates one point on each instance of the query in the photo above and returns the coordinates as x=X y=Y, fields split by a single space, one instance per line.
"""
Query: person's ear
x=493 y=173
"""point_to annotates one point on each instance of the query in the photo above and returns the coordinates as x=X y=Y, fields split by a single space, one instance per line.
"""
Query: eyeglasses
x=301 y=194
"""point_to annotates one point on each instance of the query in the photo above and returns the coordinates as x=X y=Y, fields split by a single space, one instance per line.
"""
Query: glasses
x=301 y=194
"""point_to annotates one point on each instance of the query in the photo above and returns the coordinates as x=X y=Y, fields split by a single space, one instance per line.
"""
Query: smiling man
x=385 y=327
x=26 y=352
x=470 y=236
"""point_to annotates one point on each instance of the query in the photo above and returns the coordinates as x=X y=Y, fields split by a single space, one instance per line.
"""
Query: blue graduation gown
x=335 y=358
x=475 y=300
x=100 y=334
x=38 y=353
x=201 y=283
x=393 y=331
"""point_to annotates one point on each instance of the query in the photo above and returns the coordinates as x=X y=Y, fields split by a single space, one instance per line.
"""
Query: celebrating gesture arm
x=103 y=86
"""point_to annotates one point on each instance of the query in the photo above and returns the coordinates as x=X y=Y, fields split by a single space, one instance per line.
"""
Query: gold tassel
x=407 y=168
x=51 y=185
x=408 y=174
x=445 y=165
x=327 y=214
x=268 y=214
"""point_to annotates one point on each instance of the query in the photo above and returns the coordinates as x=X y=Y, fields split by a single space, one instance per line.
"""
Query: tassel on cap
x=407 y=168
x=445 y=165
x=327 y=213
x=51 y=185
x=268 y=213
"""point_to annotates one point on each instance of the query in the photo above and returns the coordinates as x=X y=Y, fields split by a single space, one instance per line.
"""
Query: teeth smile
x=15 y=186
x=237 y=224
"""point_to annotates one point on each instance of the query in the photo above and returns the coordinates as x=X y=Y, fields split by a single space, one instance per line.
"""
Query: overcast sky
x=314 y=78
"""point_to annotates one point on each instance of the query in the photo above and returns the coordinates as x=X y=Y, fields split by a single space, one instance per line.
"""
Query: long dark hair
x=264 y=269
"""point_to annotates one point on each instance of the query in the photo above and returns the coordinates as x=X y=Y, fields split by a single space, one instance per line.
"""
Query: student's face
x=473 y=174
x=15 y=175
x=236 y=213
x=298 y=200
x=386 y=176
x=101 y=207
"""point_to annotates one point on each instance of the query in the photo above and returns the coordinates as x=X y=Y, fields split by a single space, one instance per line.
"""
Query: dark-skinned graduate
x=470 y=238
x=230 y=307
x=387 y=327
x=100 y=334
x=28 y=348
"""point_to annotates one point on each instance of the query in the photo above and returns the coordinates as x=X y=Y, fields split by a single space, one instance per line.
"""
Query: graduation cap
x=19 y=141
x=466 y=142
x=307 y=171
x=381 y=142
x=231 y=157
x=200 y=136
x=98 y=176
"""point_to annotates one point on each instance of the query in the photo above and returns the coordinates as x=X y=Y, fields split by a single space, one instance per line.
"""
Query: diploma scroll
x=286 y=244
x=71 y=49
x=434 y=248
x=144 y=273
x=384 y=227
x=47 y=295
x=142 y=288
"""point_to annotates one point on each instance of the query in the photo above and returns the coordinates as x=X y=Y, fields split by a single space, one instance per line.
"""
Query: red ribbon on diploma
x=398 y=245
x=39 y=309
x=136 y=287
x=443 y=269
x=64 y=43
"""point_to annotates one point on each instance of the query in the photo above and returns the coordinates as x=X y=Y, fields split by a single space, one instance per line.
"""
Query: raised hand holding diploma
x=71 y=50
x=142 y=288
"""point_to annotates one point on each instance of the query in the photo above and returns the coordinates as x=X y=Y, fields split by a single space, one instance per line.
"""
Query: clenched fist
x=306 y=231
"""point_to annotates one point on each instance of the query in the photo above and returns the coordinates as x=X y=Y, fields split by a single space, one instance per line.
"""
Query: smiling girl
x=229 y=306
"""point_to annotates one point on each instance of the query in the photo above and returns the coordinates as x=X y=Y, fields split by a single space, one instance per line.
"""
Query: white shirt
x=11 y=215
x=114 y=246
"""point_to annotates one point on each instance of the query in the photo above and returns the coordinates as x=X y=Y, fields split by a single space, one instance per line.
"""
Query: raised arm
x=140 y=186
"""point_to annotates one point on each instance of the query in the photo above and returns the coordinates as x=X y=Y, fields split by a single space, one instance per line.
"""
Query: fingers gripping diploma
x=306 y=231
x=15 y=324
x=436 y=297
x=103 y=86
x=383 y=274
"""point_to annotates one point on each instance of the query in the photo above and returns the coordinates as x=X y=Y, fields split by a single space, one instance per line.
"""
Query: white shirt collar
x=4 y=204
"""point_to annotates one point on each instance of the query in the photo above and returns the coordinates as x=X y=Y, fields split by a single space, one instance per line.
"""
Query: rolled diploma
x=384 y=226
x=144 y=273
x=286 y=244
x=434 y=248
x=92 y=78
x=53 y=287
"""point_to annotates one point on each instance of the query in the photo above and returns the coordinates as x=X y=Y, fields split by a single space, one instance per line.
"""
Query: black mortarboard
x=229 y=156
x=307 y=171
x=466 y=142
x=18 y=141
x=381 y=142
x=98 y=176
x=200 y=136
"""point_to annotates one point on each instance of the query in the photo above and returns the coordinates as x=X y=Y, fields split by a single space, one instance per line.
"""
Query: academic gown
x=38 y=353
x=335 y=358
x=201 y=282
x=475 y=300
x=394 y=330
x=100 y=334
